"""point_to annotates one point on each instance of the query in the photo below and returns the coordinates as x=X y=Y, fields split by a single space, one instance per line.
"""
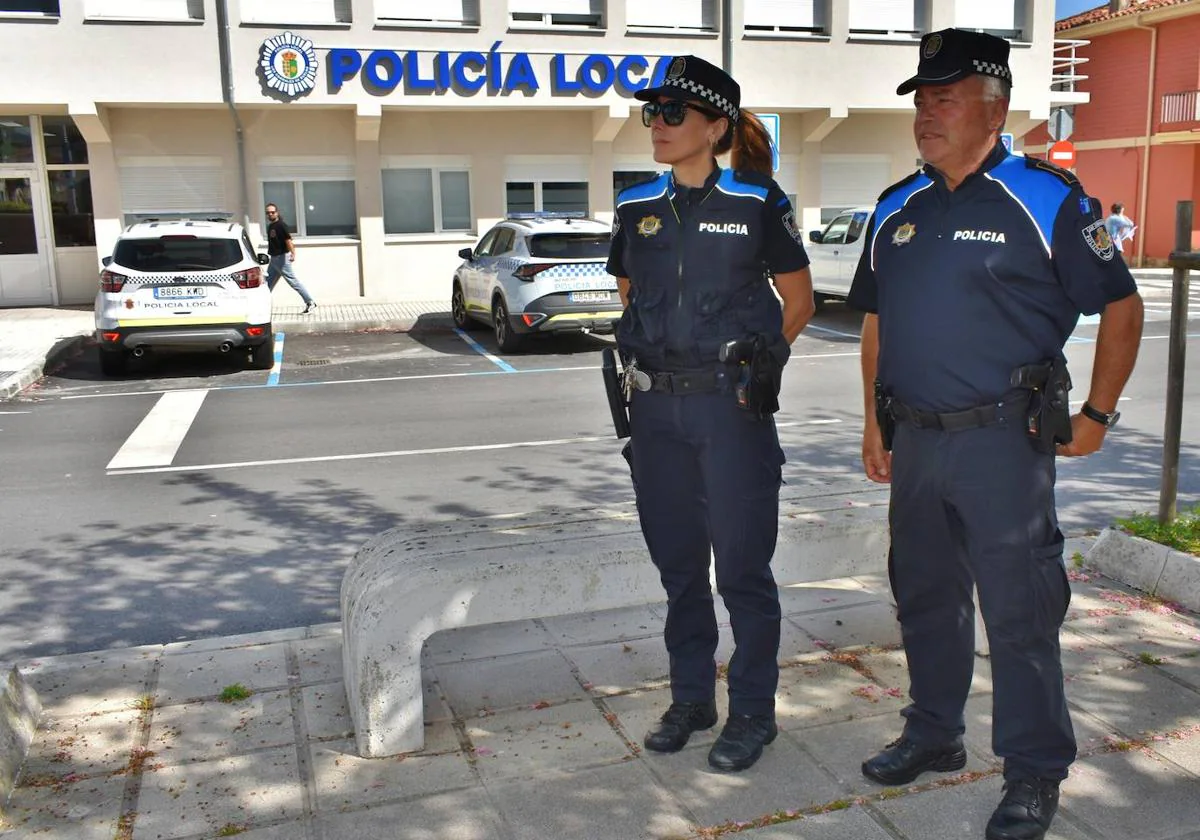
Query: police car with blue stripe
x=537 y=273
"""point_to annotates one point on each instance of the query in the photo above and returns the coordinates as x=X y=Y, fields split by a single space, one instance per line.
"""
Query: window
x=426 y=200
x=15 y=143
x=163 y=254
x=436 y=12
x=1004 y=18
x=800 y=16
x=557 y=12
x=884 y=17
x=155 y=10
x=625 y=179
x=847 y=227
x=570 y=246
x=314 y=208
x=70 y=183
x=503 y=243
x=36 y=8
x=547 y=196
x=296 y=11
x=671 y=14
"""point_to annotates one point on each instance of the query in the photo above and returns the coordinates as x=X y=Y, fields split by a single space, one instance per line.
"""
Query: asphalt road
x=194 y=499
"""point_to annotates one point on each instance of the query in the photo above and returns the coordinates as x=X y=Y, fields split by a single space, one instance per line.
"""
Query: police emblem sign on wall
x=289 y=64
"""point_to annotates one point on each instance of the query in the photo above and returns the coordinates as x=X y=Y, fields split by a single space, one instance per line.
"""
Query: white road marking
x=832 y=332
x=402 y=453
x=15 y=412
x=157 y=438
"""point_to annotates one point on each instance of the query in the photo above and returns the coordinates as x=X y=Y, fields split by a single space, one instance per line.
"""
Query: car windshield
x=183 y=254
x=570 y=246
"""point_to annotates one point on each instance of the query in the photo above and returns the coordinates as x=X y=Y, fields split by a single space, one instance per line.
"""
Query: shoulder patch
x=1063 y=175
x=899 y=184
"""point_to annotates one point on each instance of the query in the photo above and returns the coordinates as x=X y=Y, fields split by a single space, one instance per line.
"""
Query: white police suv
x=834 y=252
x=537 y=273
x=183 y=284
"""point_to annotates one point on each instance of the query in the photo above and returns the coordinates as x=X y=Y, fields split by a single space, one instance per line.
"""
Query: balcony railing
x=1181 y=107
x=1064 y=72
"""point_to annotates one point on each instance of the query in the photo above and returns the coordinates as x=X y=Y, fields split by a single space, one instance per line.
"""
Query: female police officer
x=692 y=252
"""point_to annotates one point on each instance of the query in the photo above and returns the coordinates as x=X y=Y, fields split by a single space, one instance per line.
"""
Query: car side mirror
x=106 y=261
x=467 y=254
x=263 y=259
x=814 y=236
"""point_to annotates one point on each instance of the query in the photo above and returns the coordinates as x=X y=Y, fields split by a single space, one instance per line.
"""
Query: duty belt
x=684 y=381
x=955 y=421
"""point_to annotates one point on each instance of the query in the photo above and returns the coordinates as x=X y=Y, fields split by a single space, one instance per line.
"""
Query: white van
x=834 y=252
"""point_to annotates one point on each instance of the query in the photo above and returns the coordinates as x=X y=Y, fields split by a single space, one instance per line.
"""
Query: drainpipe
x=727 y=36
x=227 y=94
x=1143 y=198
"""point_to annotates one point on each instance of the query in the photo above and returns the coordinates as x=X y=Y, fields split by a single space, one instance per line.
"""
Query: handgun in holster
x=615 y=393
x=884 y=416
x=1048 y=418
x=758 y=360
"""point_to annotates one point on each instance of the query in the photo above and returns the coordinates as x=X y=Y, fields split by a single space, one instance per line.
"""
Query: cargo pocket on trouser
x=1050 y=587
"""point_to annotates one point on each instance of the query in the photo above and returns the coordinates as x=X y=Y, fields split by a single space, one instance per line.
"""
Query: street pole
x=1180 y=260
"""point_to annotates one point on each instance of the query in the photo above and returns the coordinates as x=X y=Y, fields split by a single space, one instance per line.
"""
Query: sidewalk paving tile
x=460 y=815
x=872 y=623
x=343 y=779
x=800 y=598
x=534 y=741
x=320 y=660
x=211 y=729
x=622 y=666
x=197 y=676
x=636 y=713
x=852 y=823
x=88 y=684
x=506 y=682
x=823 y=691
x=605 y=626
x=84 y=745
x=485 y=641
x=181 y=800
x=1136 y=700
x=327 y=712
x=1132 y=794
x=87 y=809
x=1183 y=750
x=785 y=778
x=599 y=803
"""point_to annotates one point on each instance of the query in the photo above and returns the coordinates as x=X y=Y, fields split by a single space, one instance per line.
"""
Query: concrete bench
x=409 y=583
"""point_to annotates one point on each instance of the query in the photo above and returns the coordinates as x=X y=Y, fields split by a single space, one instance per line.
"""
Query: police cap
x=689 y=77
x=953 y=54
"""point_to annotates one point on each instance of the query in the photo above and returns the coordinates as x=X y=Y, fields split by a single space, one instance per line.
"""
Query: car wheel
x=458 y=308
x=113 y=362
x=507 y=340
x=818 y=301
x=262 y=356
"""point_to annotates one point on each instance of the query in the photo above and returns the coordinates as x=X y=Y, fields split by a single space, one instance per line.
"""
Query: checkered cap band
x=706 y=93
x=991 y=68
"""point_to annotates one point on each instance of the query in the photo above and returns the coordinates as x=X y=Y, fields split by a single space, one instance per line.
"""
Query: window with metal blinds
x=671 y=14
x=884 y=15
x=432 y=11
x=995 y=15
x=784 y=14
x=172 y=184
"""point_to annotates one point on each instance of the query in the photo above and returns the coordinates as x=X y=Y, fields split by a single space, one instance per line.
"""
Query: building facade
x=392 y=133
x=1137 y=139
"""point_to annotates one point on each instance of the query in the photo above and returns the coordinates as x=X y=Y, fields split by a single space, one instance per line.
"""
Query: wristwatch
x=1107 y=420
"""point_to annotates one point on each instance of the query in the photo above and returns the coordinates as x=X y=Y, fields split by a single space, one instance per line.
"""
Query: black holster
x=612 y=389
x=1048 y=418
x=759 y=360
x=884 y=416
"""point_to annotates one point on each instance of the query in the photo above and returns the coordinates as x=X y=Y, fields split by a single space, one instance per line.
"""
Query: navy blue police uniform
x=706 y=473
x=970 y=284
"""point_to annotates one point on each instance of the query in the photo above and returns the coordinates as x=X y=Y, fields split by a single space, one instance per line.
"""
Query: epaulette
x=749 y=176
x=1064 y=175
x=900 y=184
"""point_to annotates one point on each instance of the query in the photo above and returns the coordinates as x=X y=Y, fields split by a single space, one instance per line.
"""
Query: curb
x=19 y=713
x=1149 y=566
x=382 y=324
x=31 y=373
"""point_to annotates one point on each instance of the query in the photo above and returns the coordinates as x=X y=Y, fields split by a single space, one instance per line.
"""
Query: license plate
x=179 y=292
x=589 y=297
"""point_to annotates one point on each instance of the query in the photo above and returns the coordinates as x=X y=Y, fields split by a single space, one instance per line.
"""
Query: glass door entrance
x=24 y=266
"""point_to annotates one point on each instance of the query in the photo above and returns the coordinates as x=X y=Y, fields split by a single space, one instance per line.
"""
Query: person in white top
x=1120 y=227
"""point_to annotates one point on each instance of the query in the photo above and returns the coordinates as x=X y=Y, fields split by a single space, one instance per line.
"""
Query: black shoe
x=741 y=741
x=677 y=725
x=309 y=307
x=1026 y=810
x=903 y=760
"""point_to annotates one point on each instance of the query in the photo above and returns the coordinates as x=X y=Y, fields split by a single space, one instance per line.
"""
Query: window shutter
x=670 y=14
x=331 y=168
x=853 y=180
x=441 y=10
x=172 y=184
x=798 y=14
x=883 y=15
x=139 y=9
x=551 y=7
x=995 y=14
x=296 y=11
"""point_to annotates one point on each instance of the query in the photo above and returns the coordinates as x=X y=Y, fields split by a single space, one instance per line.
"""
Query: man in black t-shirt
x=282 y=252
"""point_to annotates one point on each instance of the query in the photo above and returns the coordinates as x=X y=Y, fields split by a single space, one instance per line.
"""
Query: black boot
x=677 y=725
x=904 y=759
x=1026 y=810
x=741 y=741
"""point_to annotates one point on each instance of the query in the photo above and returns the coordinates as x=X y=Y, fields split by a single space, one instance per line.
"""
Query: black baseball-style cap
x=953 y=54
x=689 y=77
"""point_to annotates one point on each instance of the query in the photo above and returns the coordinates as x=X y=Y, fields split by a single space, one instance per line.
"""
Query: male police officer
x=975 y=271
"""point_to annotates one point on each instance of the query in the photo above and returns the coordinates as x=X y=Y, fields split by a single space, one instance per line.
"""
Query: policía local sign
x=290 y=65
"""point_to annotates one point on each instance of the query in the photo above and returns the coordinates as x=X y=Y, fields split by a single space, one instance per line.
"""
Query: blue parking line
x=482 y=351
x=273 y=376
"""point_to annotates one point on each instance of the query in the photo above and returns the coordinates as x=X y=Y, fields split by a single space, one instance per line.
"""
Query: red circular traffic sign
x=1062 y=154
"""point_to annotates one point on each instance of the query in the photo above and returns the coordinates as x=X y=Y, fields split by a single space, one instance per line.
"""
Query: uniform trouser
x=977 y=506
x=707 y=478
x=280 y=265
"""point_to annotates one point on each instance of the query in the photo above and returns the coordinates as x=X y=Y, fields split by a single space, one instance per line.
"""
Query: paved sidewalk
x=35 y=339
x=534 y=731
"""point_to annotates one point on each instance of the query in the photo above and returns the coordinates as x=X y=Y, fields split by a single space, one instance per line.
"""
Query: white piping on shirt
x=1021 y=204
x=879 y=226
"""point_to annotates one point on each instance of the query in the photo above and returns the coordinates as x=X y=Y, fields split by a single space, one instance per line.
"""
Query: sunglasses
x=673 y=112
